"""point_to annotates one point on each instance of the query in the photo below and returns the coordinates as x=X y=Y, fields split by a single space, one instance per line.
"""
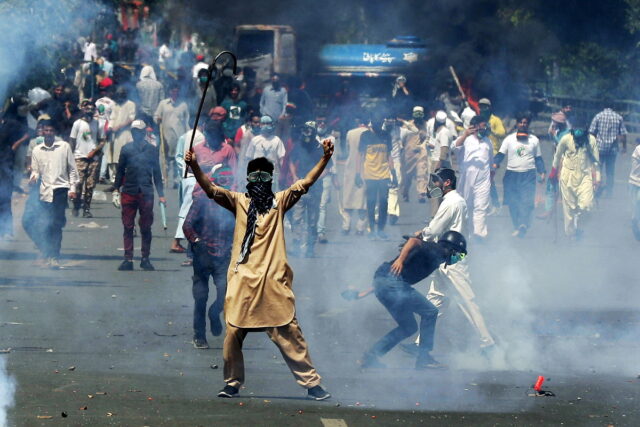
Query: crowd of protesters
x=124 y=118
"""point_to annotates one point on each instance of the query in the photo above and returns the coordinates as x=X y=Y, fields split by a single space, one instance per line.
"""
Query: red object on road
x=538 y=385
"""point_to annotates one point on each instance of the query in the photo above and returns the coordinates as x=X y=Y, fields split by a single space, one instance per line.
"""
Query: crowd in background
x=127 y=73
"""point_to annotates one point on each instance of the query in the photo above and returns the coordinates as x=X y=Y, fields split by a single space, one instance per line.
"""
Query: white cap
x=418 y=108
x=441 y=116
x=138 y=124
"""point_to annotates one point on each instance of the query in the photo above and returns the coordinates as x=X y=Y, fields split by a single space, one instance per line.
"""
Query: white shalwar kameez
x=475 y=157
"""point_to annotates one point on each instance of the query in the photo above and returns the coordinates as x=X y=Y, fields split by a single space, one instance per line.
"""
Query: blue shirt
x=139 y=169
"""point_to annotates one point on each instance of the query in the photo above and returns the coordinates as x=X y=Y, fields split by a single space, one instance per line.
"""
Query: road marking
x=333 y=422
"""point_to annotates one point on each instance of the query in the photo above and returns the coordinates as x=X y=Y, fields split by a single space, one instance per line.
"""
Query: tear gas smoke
x=30 y=27
x=7 y=389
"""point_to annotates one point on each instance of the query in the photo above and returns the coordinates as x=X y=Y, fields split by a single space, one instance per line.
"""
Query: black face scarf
x=261 y=201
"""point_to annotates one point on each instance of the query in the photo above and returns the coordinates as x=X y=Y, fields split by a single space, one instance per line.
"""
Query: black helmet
x=454 y=240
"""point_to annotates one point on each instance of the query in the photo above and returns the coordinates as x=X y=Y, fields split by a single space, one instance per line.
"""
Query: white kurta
x=475 y=157
x=120 y=114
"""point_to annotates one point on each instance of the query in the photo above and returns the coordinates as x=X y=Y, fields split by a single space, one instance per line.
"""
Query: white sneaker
x=115 y=198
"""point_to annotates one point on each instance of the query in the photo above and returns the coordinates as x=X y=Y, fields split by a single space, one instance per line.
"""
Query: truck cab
x=266 y=49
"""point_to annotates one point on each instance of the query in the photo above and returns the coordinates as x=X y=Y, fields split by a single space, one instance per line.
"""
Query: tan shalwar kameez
x=415 y=159
x=259 y=295
x=353 y=197
x=577 y=168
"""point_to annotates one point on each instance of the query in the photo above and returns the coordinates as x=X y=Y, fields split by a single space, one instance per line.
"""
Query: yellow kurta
x=577 y=168
x=497 y=134
x=259 y=293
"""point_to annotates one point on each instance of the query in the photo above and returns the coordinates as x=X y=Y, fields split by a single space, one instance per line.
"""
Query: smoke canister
x=538 y=385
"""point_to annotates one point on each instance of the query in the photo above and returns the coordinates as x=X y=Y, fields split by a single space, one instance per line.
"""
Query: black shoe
x=228 y=391
x=393 y=219
x=411 y=349
x=318 y=393
x=200 y=343
x=522 y=231
x=428 y=362
x=87 y=214
x=216 y=324
x=145 y=264
x=127 y=265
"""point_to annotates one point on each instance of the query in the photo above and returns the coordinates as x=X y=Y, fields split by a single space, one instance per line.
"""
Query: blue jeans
x=608 y=163
x=402 y=301
x=205 y=265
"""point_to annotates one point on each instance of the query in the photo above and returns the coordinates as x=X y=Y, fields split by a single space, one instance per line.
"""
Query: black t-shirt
x=10 y=131
x=305 y=155
x=421 y=262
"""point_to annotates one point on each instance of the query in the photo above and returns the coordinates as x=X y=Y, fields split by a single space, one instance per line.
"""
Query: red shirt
x=207 y=158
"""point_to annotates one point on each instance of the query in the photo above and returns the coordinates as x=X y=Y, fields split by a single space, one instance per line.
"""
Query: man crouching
x=393 y=286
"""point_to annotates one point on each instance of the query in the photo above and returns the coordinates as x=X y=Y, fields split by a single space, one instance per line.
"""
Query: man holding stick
x=259 y=295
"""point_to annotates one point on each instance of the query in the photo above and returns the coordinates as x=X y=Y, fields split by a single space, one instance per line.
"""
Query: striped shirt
x=606 y=126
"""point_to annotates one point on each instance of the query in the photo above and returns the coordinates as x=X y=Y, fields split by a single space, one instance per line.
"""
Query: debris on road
x=44 y=417
x=84 y=408
x=64 y=415
x=214 y=366
x=92 y=224
x=164 y=335
x=71 y=368
x=539 y=392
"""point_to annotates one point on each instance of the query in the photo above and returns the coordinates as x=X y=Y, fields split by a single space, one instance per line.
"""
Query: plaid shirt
x=606 y=126
x=211 y=223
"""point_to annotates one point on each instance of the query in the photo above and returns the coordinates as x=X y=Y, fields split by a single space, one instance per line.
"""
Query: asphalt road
x=88 y=345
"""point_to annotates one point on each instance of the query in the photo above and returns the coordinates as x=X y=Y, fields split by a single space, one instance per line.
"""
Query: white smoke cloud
x=7 y=390
x=29 y=26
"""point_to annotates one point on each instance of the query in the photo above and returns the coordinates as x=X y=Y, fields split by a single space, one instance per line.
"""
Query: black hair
x=447 y=174
x=476 y=120
x=523 y=115
x=48 y=122
x=261 y=163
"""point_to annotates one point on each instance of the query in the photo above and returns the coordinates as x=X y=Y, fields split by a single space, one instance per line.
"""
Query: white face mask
x=434 y=192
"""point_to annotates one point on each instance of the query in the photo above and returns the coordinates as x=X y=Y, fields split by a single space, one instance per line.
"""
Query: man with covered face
x=474 y=152
x=329 y=178
x=305 y=213
x=413 y=135
x=123 y=114
x=524 y=159
x=274 y=99
x=137 y=174
x=87 y=140
x=259 y=291
x=496 y=131
x=577 y=165
x=455 y=278
x=393 y=286
x=375 y=167
x=267 y=144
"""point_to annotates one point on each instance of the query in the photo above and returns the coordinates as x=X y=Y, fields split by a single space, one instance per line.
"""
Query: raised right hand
x=190 y=157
